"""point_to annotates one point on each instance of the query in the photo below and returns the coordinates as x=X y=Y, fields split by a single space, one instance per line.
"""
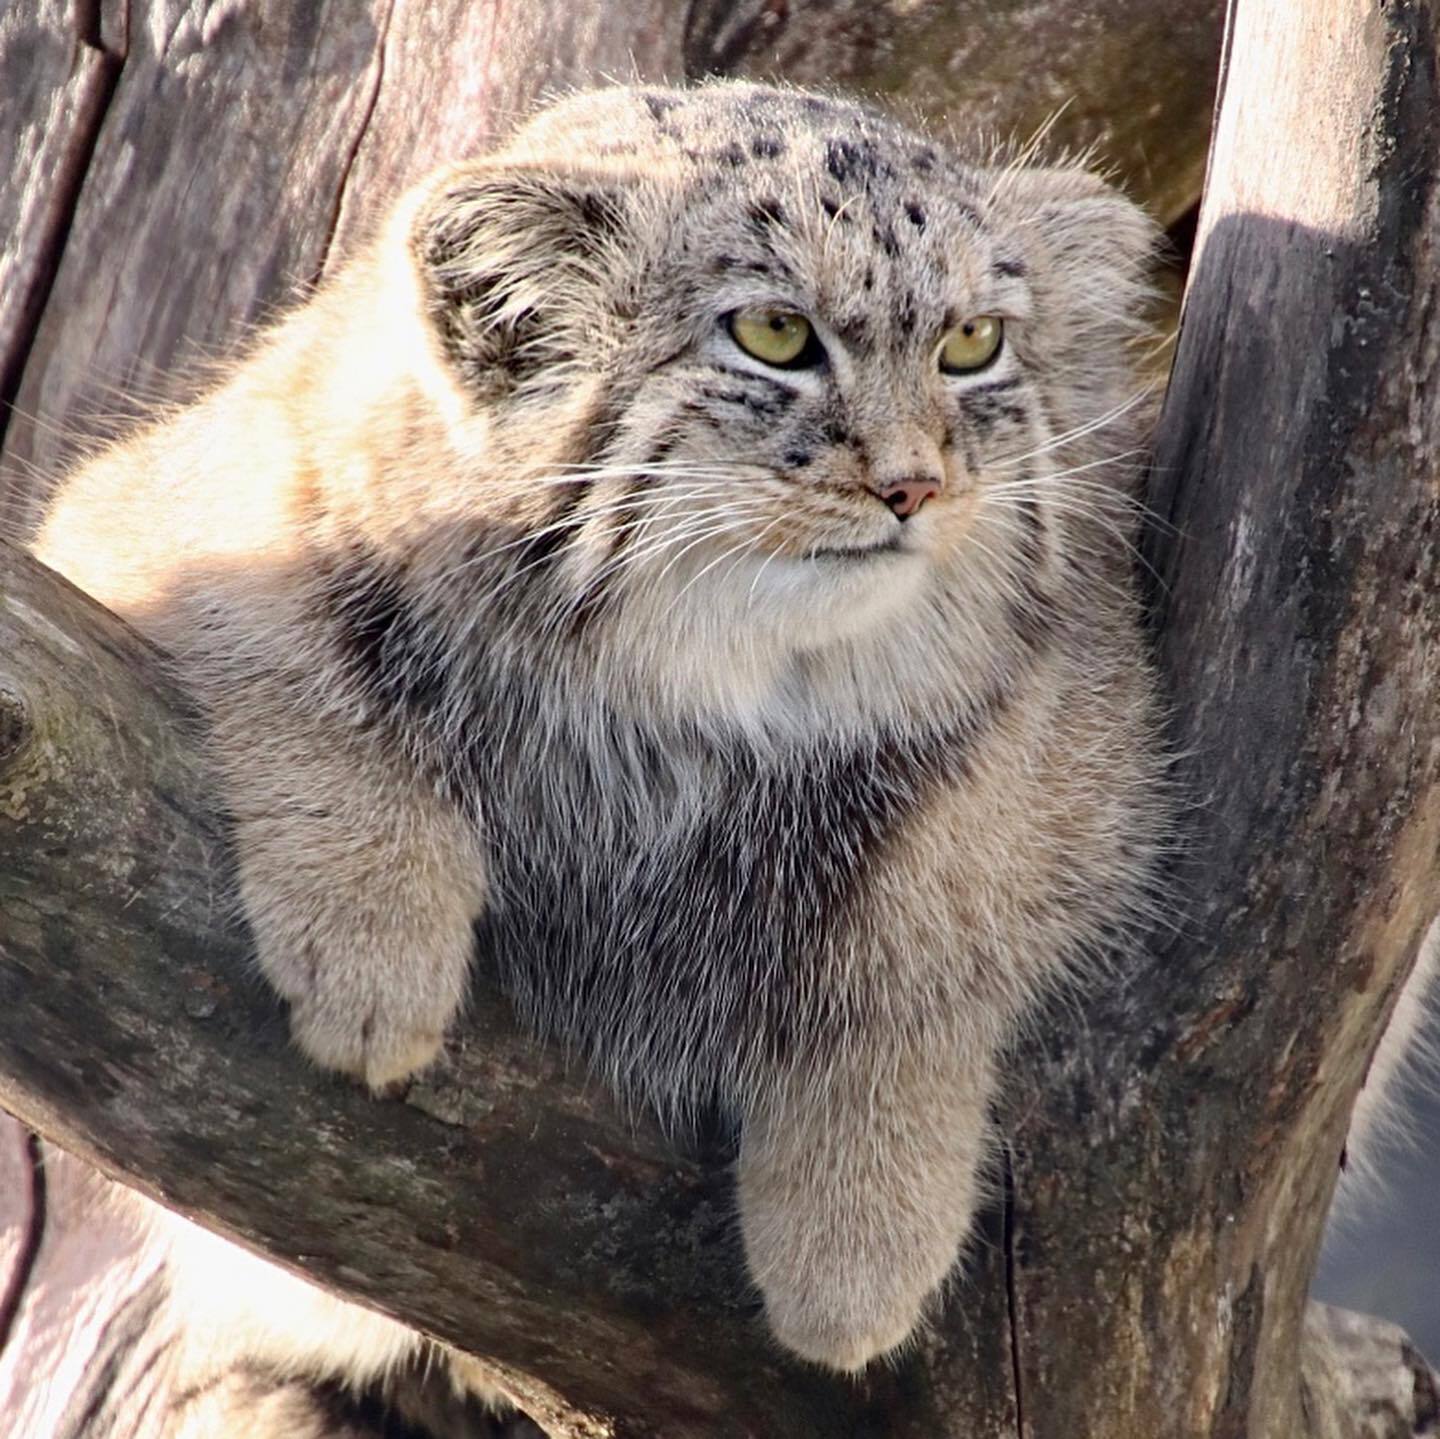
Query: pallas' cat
x=685 y=560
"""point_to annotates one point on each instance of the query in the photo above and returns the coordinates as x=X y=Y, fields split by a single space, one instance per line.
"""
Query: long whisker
x=1079 y=431
x=1043 y=476
x=765 y=563
x=720 y=528
x=1093 y=493
x=635 y=555
x=1075 y=505
x=738 y=551
x=621 y=504
x=717 y=468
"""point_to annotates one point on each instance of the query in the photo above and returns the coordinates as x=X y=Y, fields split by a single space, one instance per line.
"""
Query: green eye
x=779 y=337
x=971 y=345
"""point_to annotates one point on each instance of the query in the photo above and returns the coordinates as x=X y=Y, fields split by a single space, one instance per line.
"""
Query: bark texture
x=1173 y=1147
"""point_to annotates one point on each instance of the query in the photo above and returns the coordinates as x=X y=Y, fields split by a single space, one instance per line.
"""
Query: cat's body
x=783 y=728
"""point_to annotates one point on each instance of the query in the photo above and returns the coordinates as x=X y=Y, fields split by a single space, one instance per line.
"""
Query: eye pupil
x=971 y=345
x=782 y=338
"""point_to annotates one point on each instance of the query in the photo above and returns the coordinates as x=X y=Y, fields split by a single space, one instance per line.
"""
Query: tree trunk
x=1173 y=1147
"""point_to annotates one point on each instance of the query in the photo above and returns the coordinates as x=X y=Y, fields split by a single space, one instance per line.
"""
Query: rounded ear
x=1089 y=254
x=1087 y=231
x=513 y=262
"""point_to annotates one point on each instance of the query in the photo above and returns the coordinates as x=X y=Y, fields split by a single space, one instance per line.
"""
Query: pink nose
x=906 y=496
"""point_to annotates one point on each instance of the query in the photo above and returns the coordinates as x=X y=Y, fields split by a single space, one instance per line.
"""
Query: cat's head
x=768 y=365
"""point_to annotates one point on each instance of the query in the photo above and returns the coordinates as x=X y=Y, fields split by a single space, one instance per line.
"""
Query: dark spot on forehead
x=915 y=214
x=732 y=155
x=848 y=160
x=835 y=209
x=598 y=212
x=767 y=147
x=1011 y=269
x=923 y=161
x=767 y=211
x=855 y=331
x=884 y=236
x=869 y=281
x=907 y=313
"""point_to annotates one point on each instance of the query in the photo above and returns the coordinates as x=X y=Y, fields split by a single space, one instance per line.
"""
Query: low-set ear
x=1088 y=233
x=514 y=263
x=1090 y=256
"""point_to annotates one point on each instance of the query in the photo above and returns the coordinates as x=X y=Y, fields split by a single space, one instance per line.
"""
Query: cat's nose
x=906 y=496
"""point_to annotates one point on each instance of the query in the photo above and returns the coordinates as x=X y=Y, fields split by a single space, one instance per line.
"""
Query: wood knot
x=15 y=724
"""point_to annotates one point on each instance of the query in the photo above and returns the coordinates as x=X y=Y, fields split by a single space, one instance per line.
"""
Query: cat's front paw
x=855 y=1196
x=845 y=1337
x=373 y=975
x=380 y=1045
x=830 y=1302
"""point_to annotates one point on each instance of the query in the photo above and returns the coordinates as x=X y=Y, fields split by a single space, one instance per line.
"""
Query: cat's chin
x=834 y=594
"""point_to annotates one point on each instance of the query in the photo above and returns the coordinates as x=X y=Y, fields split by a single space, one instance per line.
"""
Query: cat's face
x=826 y=375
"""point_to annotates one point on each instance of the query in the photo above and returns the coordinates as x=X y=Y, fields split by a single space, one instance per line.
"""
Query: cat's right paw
x=380 y=1045
x=373 y=978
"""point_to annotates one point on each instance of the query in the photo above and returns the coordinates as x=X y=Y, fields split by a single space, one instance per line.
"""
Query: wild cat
x=685 y=558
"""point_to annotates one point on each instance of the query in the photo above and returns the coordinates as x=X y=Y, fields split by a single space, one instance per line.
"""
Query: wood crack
x=1012 y=1296
x=29 y=1247
x=99 y=88
x=352 y=154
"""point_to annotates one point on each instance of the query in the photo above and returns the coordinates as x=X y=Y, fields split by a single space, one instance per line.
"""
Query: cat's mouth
x=890 y=546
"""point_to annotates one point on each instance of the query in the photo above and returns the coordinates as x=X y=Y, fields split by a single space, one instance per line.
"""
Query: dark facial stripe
x=1036 y=619
x=995 y=387
x=983 y=415
x=773 y=381
x=760 y=397
x=622 y=525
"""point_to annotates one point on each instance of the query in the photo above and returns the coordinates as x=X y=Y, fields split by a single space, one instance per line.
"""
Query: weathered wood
x=210 y=196
x=1133 y=79
x=55 y=81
